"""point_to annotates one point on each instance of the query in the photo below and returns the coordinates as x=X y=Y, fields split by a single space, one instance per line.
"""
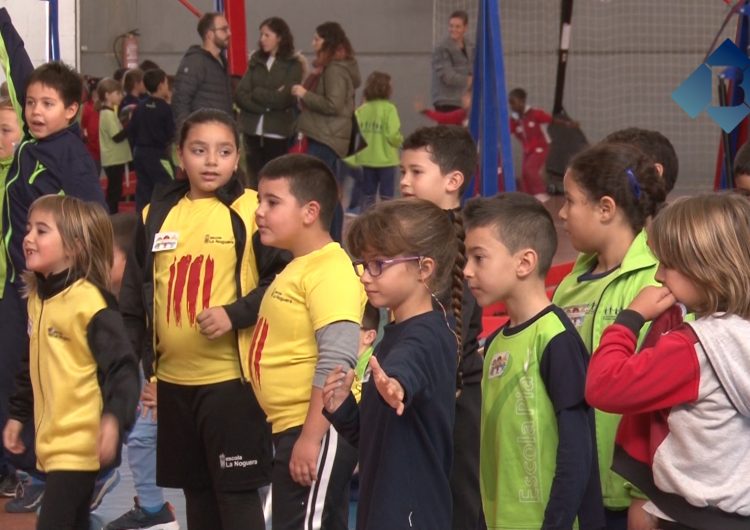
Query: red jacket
x=530 y=129
x=90 y=126
x=686 y=416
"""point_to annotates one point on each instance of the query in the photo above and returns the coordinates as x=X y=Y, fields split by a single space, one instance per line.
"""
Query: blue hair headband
x=634 y=186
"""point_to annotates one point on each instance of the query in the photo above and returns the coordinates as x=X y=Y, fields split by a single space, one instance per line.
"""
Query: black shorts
x=211 y=436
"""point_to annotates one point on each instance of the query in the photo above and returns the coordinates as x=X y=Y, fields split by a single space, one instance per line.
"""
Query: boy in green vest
x=538 y=464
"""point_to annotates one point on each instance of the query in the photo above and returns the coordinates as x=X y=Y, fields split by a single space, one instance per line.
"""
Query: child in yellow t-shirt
x=308 y=324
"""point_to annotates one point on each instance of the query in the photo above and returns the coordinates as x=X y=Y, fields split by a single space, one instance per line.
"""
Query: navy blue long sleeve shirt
x=405 y=461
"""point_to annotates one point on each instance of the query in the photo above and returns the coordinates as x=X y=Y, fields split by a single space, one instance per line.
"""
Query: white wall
x=30 y=19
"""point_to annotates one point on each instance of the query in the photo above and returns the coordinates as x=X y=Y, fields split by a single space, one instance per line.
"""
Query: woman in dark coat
x=264 y=96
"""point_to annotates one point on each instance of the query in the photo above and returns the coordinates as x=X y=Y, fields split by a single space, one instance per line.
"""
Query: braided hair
x=457 y=291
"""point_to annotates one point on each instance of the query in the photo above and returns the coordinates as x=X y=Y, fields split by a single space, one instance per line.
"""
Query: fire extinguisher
x=130 y=49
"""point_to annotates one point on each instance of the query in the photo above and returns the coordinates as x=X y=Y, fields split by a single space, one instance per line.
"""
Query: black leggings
x=66 y=501
x=222 y=510
x=260 y=150
x=115 y=176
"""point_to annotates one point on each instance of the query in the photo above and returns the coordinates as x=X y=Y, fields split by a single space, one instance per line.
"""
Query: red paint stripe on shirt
x=258 y=351
x=182 y=271
x=193 y=284
x=170 y=286
x=208 y=279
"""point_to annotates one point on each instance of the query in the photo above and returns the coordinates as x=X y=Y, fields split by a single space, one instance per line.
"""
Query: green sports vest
x=593 y=305
x=518 y=448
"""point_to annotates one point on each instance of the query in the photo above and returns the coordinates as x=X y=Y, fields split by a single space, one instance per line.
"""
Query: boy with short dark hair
x=537 y=459
x=51 y=158
x=308 y=324
x=151 y=132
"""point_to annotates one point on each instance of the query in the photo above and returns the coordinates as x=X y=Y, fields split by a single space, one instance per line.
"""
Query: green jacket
x=112 y=151
x=381 y=127
x=327 y=113
x=635 y=272
x=268 y=93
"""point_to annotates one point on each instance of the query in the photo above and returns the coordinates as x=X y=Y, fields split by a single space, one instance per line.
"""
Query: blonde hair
x=86 y=233
x=707 y=239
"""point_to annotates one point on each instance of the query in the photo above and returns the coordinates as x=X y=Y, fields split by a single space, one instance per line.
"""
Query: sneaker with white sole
x=8 y=485
x=28 y=497
x=138 y=519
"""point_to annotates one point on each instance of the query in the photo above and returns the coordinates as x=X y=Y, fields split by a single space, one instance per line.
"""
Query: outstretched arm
x=388 y=387
x=15 y=62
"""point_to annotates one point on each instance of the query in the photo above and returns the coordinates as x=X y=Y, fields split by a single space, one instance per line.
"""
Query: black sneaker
x=28 y=497
x=137 y=519
x=8 y=485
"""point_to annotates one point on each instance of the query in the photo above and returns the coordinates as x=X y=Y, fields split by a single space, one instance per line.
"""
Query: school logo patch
x=577 y=313
x=498 y=364
x=165 y=241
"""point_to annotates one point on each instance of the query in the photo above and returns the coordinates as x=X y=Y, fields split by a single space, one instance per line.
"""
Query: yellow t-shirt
x=196 y=274
x=313 y=291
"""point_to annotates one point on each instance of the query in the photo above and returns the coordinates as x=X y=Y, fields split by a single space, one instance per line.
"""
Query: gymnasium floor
x=120 y=499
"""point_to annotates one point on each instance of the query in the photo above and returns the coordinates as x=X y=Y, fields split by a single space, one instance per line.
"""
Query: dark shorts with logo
x=211 y=436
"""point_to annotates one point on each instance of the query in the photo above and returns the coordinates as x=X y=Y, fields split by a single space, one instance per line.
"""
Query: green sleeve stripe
x=5 y=63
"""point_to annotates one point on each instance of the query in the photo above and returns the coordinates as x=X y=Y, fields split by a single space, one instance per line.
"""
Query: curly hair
x=378 y=86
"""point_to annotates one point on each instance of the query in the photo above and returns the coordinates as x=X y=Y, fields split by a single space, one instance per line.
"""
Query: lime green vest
x=592 y=306
x=519 y=438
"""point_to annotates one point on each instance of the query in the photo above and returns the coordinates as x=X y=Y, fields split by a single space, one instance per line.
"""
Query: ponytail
x=457 y=291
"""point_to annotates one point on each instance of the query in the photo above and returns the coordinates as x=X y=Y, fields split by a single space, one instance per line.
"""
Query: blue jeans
x=377 y=179
x=331 y=159
x=142 y=459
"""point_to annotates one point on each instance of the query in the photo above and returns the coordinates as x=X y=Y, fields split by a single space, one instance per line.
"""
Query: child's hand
x=640 y=519
x=337 y=387
x=214 y=322
x=12 y=437
x=109 y=439
x=652 y=301
x=419 y=105
x=390 y=389
x=148 y=400
x=304 y=461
